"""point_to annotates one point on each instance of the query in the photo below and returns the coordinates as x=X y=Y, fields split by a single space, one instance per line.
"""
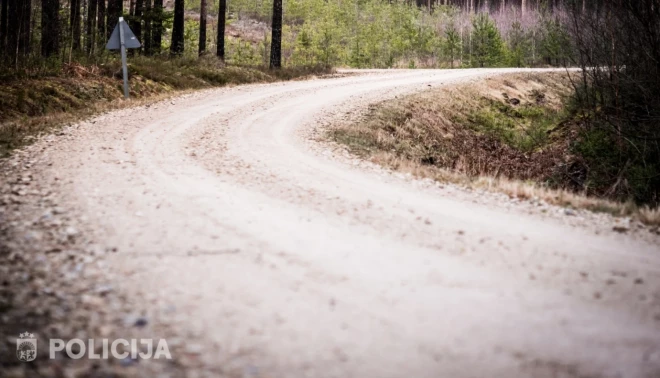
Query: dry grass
x=438 y=134
x=19 y=132
x=30 y=106
x=649 y=216
x=441 y=128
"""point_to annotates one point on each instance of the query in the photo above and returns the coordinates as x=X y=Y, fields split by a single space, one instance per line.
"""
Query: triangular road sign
x=130 y=39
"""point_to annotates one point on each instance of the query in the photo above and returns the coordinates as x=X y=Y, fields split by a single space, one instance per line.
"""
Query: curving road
x=281 y=256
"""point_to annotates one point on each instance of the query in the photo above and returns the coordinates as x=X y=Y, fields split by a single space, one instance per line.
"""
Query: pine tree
x=519 y=45
x=50 y=27
x=555 y=42
x=487 y=45
x=276 y=40
x=147 y=39
x=138 y=11
x=157 y=27
x=176 y=49
x=202 y=27
x=18 y=30
x=25 y=27
x=74 y=24
x=101 y=21
x=452 y=45
x=90 y=25
x=13 y=26
x=4 y=8
x=222 y=15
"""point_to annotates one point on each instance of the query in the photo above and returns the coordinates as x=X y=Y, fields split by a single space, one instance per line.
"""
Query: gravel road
x=258 y=248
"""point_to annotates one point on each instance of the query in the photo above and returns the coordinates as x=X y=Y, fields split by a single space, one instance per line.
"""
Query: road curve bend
x=234 y=229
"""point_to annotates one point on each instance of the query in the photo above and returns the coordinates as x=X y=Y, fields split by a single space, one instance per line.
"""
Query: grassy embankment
x=514 y=134
x=33 y=103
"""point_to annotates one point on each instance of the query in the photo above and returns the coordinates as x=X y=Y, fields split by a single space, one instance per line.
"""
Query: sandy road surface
x=265 y=252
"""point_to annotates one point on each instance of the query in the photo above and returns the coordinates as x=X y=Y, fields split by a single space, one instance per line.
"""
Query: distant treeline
x=501 y=5
x=359 y=33
x=356 y=33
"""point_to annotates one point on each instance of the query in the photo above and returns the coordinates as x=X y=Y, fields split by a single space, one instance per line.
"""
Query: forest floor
x=226 y=223
x=31 y=104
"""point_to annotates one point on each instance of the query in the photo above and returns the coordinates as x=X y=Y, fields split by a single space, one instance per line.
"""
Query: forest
x=361 y=33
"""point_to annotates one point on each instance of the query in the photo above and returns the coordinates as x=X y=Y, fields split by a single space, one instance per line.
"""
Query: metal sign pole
x=123 y=56
x=123 y=38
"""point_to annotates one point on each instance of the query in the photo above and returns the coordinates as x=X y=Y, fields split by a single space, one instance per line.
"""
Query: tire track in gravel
x=283 y=260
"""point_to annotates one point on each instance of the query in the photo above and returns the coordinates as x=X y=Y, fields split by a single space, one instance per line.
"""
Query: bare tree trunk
x=222 y=15
x=202 y=27
x=50 y=27
x=24 y=36
x=176 y=48
x=74 y=24
x=276 y=40
x=157 y=32
x=100 y=20
x=524 y=7
x=18 y=30
x=90 y=26
x=13 y=26
x=147 y=39
x=4 y=8
x=138 y=14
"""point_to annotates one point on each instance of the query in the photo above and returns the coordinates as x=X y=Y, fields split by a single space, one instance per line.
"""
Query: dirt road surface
x=258 y=250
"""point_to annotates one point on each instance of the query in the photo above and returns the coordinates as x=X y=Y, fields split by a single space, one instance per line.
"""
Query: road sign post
x=124 y=64
x=122 y=38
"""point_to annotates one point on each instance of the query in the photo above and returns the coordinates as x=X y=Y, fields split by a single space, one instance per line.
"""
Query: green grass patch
x=524 y=127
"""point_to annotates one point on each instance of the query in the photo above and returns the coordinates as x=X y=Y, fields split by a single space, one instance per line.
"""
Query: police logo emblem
x=26 y=347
